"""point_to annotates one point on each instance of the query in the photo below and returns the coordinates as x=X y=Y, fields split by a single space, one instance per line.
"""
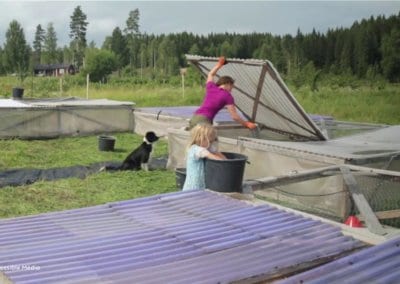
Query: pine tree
x=330 y=49
x=391 y=56
x=50 y=45
x=226 y=49
x=168 y=59
x=2 y=68
x=133 y=36
x=143 y=58
x=77 y=33
x=37 y=44
x=194 y=49
x=118 y=46
x=16 y=51
x=132 y=23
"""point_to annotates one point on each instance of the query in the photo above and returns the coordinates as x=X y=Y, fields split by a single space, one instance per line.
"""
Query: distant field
x=364 y=104
x=373 y=104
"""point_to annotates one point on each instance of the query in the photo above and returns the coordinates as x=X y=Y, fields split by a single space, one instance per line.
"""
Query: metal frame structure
x=262 y=96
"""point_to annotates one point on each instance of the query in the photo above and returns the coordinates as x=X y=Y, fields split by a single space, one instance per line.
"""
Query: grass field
x=363 y=104
x=71 y=193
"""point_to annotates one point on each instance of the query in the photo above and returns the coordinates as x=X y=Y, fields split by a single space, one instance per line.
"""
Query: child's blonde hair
x=203 y=134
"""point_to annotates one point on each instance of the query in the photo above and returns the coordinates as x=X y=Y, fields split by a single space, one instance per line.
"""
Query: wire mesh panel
x=379 y=189
x=56 y=118
x=383 y=195
x=314 y=196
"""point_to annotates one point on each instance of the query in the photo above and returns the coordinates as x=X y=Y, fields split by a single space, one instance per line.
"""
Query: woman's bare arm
x=211 y=74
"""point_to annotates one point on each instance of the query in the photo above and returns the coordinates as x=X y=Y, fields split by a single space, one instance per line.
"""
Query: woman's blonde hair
x=203 y=134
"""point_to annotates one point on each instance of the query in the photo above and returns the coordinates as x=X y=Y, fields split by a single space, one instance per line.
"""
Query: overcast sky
x=198 y=17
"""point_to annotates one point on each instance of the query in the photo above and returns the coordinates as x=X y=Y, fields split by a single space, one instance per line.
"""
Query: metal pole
x=183 y=85
x=87 y=86
x=61 y=90
x=183 y=72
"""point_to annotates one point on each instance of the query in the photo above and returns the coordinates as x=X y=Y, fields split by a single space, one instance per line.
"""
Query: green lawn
x=99 y=188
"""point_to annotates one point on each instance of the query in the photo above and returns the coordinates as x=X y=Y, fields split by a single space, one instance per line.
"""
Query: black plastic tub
x=225 y=175
x=17 y=93
x=180 y=175
x=106 y=143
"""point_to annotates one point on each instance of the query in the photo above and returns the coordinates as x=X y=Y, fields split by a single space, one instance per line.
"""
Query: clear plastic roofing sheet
x=182 y=237
x=262 y=96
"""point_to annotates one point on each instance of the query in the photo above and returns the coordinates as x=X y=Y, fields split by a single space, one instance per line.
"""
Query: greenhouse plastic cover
x=262 y=96
x=51 y=118
x=181 y=237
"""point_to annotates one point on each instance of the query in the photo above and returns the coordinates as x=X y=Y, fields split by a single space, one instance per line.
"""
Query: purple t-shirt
x=215 y=99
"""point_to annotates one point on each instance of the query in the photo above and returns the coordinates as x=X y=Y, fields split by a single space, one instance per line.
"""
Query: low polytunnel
x=262 y=96
x=51 y=118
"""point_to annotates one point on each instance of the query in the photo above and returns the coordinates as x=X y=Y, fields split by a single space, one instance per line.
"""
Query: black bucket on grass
x=106 y=143
x=225 y=175
x=17 y=93
x=180 y=175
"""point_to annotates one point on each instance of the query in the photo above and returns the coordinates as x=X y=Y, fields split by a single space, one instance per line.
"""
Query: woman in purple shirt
x=218 y=95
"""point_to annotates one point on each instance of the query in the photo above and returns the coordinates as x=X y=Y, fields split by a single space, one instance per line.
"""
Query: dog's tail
x=111 y=167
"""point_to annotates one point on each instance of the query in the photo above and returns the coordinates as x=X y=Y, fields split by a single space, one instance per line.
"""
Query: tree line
x=370 y=48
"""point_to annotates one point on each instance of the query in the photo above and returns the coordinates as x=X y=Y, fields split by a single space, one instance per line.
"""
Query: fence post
x=87 y=86
x=61 y=88
x=183 y=73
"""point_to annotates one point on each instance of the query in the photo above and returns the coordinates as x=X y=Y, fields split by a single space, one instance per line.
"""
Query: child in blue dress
x=202 y=145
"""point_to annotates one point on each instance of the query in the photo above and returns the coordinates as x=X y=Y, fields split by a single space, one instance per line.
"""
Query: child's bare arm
x=219 y=154
x=216 y=156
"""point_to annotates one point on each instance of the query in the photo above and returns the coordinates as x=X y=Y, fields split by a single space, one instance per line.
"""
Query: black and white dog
x=139 y=158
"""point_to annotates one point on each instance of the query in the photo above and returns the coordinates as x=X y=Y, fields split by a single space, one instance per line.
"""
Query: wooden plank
x=258 y=92
x=373 y=170
x=256 y=184
x=389 y=214
x=361 y=202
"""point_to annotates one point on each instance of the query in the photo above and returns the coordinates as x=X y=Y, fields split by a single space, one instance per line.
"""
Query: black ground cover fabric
x=25 y=176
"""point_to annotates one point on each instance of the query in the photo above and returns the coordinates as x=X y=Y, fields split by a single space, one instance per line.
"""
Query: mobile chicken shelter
x=289 y=141
x=49 y=118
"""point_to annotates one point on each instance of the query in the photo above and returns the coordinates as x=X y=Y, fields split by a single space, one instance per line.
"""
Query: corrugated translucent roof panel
x=182 y=237
x=185 y=112
x=378 y=264
x=262 y=96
